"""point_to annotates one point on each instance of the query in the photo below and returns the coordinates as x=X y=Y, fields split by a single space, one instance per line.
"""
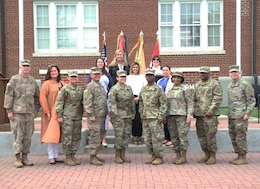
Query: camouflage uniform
x=180 y=106
x=207 y=98
x=152 y=108
x=122 y=112
x=70 y=107
x=95 y=104
x=22 y=99
x=241 y=101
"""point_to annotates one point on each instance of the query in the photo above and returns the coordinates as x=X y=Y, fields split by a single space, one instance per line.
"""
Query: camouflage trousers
x=96 y=129
x=237 y=132
x=22 y=128
x=179 y=130
x=71 y=135
x=122 y=129
x=153 y=135
x=206 y=131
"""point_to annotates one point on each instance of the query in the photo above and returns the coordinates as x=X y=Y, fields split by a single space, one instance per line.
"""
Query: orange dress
x=50 y=131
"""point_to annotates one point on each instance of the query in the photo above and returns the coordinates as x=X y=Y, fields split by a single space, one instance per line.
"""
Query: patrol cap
x=25 y=62
x=204 y=69
x=73 y=73
x=177 y=73
x=234 y=68
x=150 y=71
x=121 y=73
x=95 y=70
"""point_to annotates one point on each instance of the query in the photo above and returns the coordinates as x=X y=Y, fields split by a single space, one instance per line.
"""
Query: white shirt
x=136 y=82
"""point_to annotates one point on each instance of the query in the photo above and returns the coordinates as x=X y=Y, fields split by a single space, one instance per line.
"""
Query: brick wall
x=131 y=17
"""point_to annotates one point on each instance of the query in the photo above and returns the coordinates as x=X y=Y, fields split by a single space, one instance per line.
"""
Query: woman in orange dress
x=50 y=127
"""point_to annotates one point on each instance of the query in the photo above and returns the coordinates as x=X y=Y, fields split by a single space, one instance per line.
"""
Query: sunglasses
x=157 y=59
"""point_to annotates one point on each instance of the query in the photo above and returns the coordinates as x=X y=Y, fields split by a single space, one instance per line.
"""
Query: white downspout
x=238 y=34
x=21 y=32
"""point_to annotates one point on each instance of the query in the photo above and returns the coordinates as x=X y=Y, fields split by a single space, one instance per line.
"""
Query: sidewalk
x=131 y=176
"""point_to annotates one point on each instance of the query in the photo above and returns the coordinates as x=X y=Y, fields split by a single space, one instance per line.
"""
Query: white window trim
x=53 y=51
x=204 y=48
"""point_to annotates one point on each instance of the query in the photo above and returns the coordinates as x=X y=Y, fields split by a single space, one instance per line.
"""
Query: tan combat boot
x=178 y=156
x=77 y=161
x=118 y=157
x=94 y=161
x=69 y=161
x=158 y=161
x=150 y=160
x=123 y=156
x=232 y=161
x=100 y=159
x=205 y=158
x=18 y=162
x=242 y=160
x=212 y=158
x=25 y=161
x=182 y=159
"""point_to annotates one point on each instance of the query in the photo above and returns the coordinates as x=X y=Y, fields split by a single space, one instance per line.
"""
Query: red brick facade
x=131 y=17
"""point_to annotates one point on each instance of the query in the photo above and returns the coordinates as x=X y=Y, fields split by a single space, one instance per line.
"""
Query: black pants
x=137 y=129
x=166 y=132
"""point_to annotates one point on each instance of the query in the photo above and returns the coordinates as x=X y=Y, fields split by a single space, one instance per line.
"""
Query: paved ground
x=135 y=175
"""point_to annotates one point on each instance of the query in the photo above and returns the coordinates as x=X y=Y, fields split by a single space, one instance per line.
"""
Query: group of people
x=149 y=105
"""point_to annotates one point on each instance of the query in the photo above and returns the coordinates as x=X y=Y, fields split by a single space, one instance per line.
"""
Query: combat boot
x=242 y=160
x=232 y=161
x=123 y=156
x=25 y=160
x=178 y=156
x=94 y=161
x=150 y=160
x=182 y=159
x=69 y=161
x=158 y=161
x=77 y=161
x=205 y=158
x=18 y=162
x=212 y=158
x=100 y=159
x=118 y=157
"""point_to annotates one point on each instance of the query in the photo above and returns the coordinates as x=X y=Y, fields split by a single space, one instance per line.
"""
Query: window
x=66 y=27
x=194 y=26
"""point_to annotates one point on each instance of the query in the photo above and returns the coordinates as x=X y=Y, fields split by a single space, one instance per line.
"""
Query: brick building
x=69 y=33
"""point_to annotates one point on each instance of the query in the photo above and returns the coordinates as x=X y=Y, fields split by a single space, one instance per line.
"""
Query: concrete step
x=223 y=143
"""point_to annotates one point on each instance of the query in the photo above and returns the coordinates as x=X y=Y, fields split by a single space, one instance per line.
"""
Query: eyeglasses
x=52 y=65
x=157 y=59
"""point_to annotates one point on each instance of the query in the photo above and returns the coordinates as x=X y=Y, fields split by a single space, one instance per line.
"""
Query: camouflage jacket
x=152 y=102
x=22 y=95
x=241 y=99
x=179 y=101
x=121 y=101
x=70 y=102
x=207 y=97
x=95 y=102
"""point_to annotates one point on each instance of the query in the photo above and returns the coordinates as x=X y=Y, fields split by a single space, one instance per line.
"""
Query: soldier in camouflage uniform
x=179 y=113
x=152 y=108
x=122 y=112
x=69 y=108
x=207 y=99
x=241 y=101
x=95 y=105
x=22 y=105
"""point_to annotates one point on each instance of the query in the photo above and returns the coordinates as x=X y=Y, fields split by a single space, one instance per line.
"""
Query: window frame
x=80 y=25
x=204 y=48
